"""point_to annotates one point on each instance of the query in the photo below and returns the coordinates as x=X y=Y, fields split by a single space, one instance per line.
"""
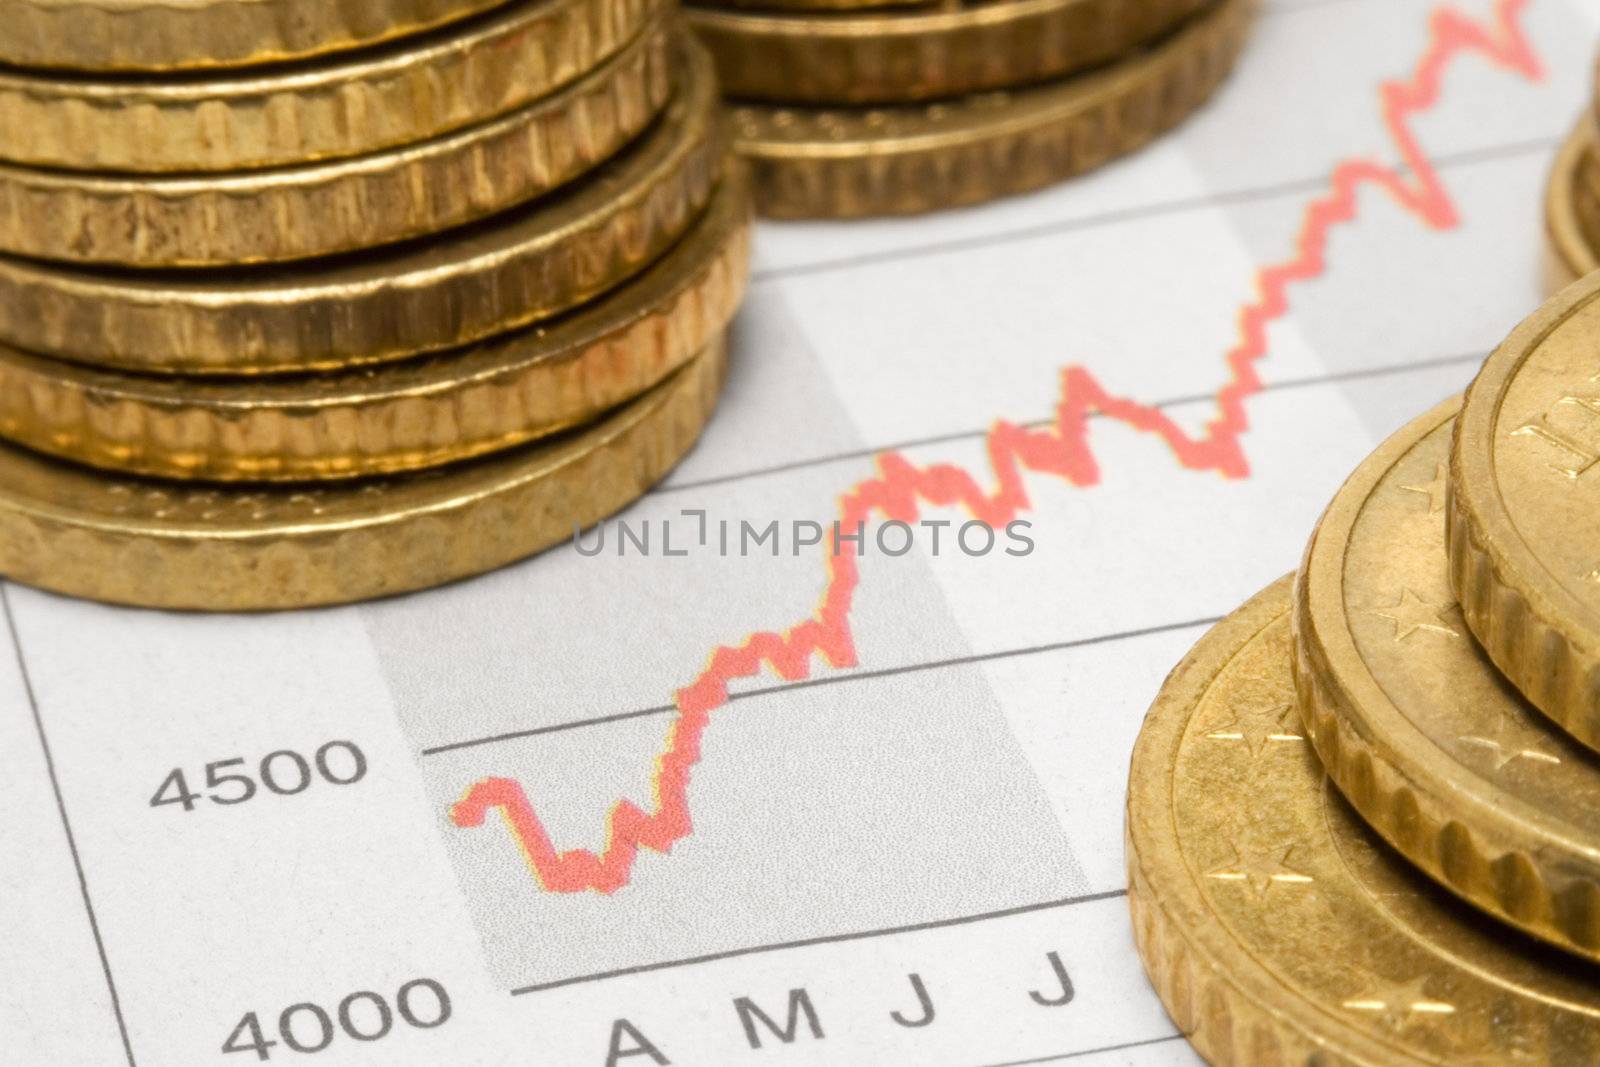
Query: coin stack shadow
x=1572 y=200
x=310 y=309
x=1437 y=663
x=849 y=108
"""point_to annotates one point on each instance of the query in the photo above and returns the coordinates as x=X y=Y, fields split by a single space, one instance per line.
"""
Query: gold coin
x=809 y=6
x=1524 y=507
x=900 y=161
x=339 y=206
x=1430 y=743
x=514 y=269
x=403 y=416
x=176 y=545
x=410 y=91
x=1572 y=208
x=886 y=57
x=159 y=35
x=1277 y=929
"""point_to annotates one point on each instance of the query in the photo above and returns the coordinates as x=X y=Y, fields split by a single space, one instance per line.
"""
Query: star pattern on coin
x=1258 y=728
x=1504 y=754
x=1397 y=1005
x=1261 y=870
x=1412 y=613
x=1433 y=490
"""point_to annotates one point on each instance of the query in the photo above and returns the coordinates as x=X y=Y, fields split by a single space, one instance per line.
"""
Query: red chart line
x=900 y=489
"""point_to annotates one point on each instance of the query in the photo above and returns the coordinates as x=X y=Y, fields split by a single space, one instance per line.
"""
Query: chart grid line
x=833 y=679
x=827 y=939
x=1090 y=1051
x=66 y=824
x=1284 y=385
x=1139 y=212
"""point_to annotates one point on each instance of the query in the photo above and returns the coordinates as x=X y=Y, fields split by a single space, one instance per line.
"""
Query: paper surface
x=931 y=819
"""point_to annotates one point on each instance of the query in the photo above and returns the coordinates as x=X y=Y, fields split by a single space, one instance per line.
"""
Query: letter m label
x=799 y=1006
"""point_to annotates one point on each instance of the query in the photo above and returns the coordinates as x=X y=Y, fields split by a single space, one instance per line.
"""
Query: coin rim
x=1397 y=778
x=1546 y=640
x=286 y=321
x=1575 y=252
x=910 y=55
x=813 y=7
x=225 y=39
x=475 y=71
x=865 y=175
x=283 y=215
x=1221 y=1000
x=298 y=562
x=256 y=429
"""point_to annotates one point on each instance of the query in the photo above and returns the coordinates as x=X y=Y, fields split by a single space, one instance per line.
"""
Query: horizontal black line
x=555 y=728
x=1089 y=1051
x=832 y=679
x=830 y=939
x=979 y=657
x=663 y=709
x=1227 y=198
x=1385 y=370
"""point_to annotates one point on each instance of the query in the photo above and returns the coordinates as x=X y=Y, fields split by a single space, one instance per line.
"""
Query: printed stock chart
x=813 y=800
x=1062 y=450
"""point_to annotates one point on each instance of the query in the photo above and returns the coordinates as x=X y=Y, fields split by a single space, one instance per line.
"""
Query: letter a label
x=637 y=1045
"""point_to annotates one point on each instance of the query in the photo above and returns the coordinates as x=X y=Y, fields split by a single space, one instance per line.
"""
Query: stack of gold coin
x=1364 y=813
x=307 y=302
x=847 y=108
x=1572 y=200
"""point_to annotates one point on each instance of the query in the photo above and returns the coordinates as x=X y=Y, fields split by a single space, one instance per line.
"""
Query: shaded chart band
x=900 y=490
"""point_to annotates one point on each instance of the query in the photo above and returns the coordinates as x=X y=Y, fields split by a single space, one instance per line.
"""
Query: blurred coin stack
x=847 y=108
x=306 y=302
x=1572 y=200
x=1364 y=813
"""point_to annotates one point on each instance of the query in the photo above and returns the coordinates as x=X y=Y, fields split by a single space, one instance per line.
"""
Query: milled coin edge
x=351 y=106
x=903 y=56
x=340 y=206
x=450 y=524
x=1572 y=251
x=499 y=394
x=1064 y=129
x=1540 y=637
x=152 y=36
x=1487 y=853
x=531 y=264
x=1222 y=1006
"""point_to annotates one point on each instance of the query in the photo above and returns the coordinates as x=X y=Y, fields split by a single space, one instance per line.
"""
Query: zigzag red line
x=899 y=489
